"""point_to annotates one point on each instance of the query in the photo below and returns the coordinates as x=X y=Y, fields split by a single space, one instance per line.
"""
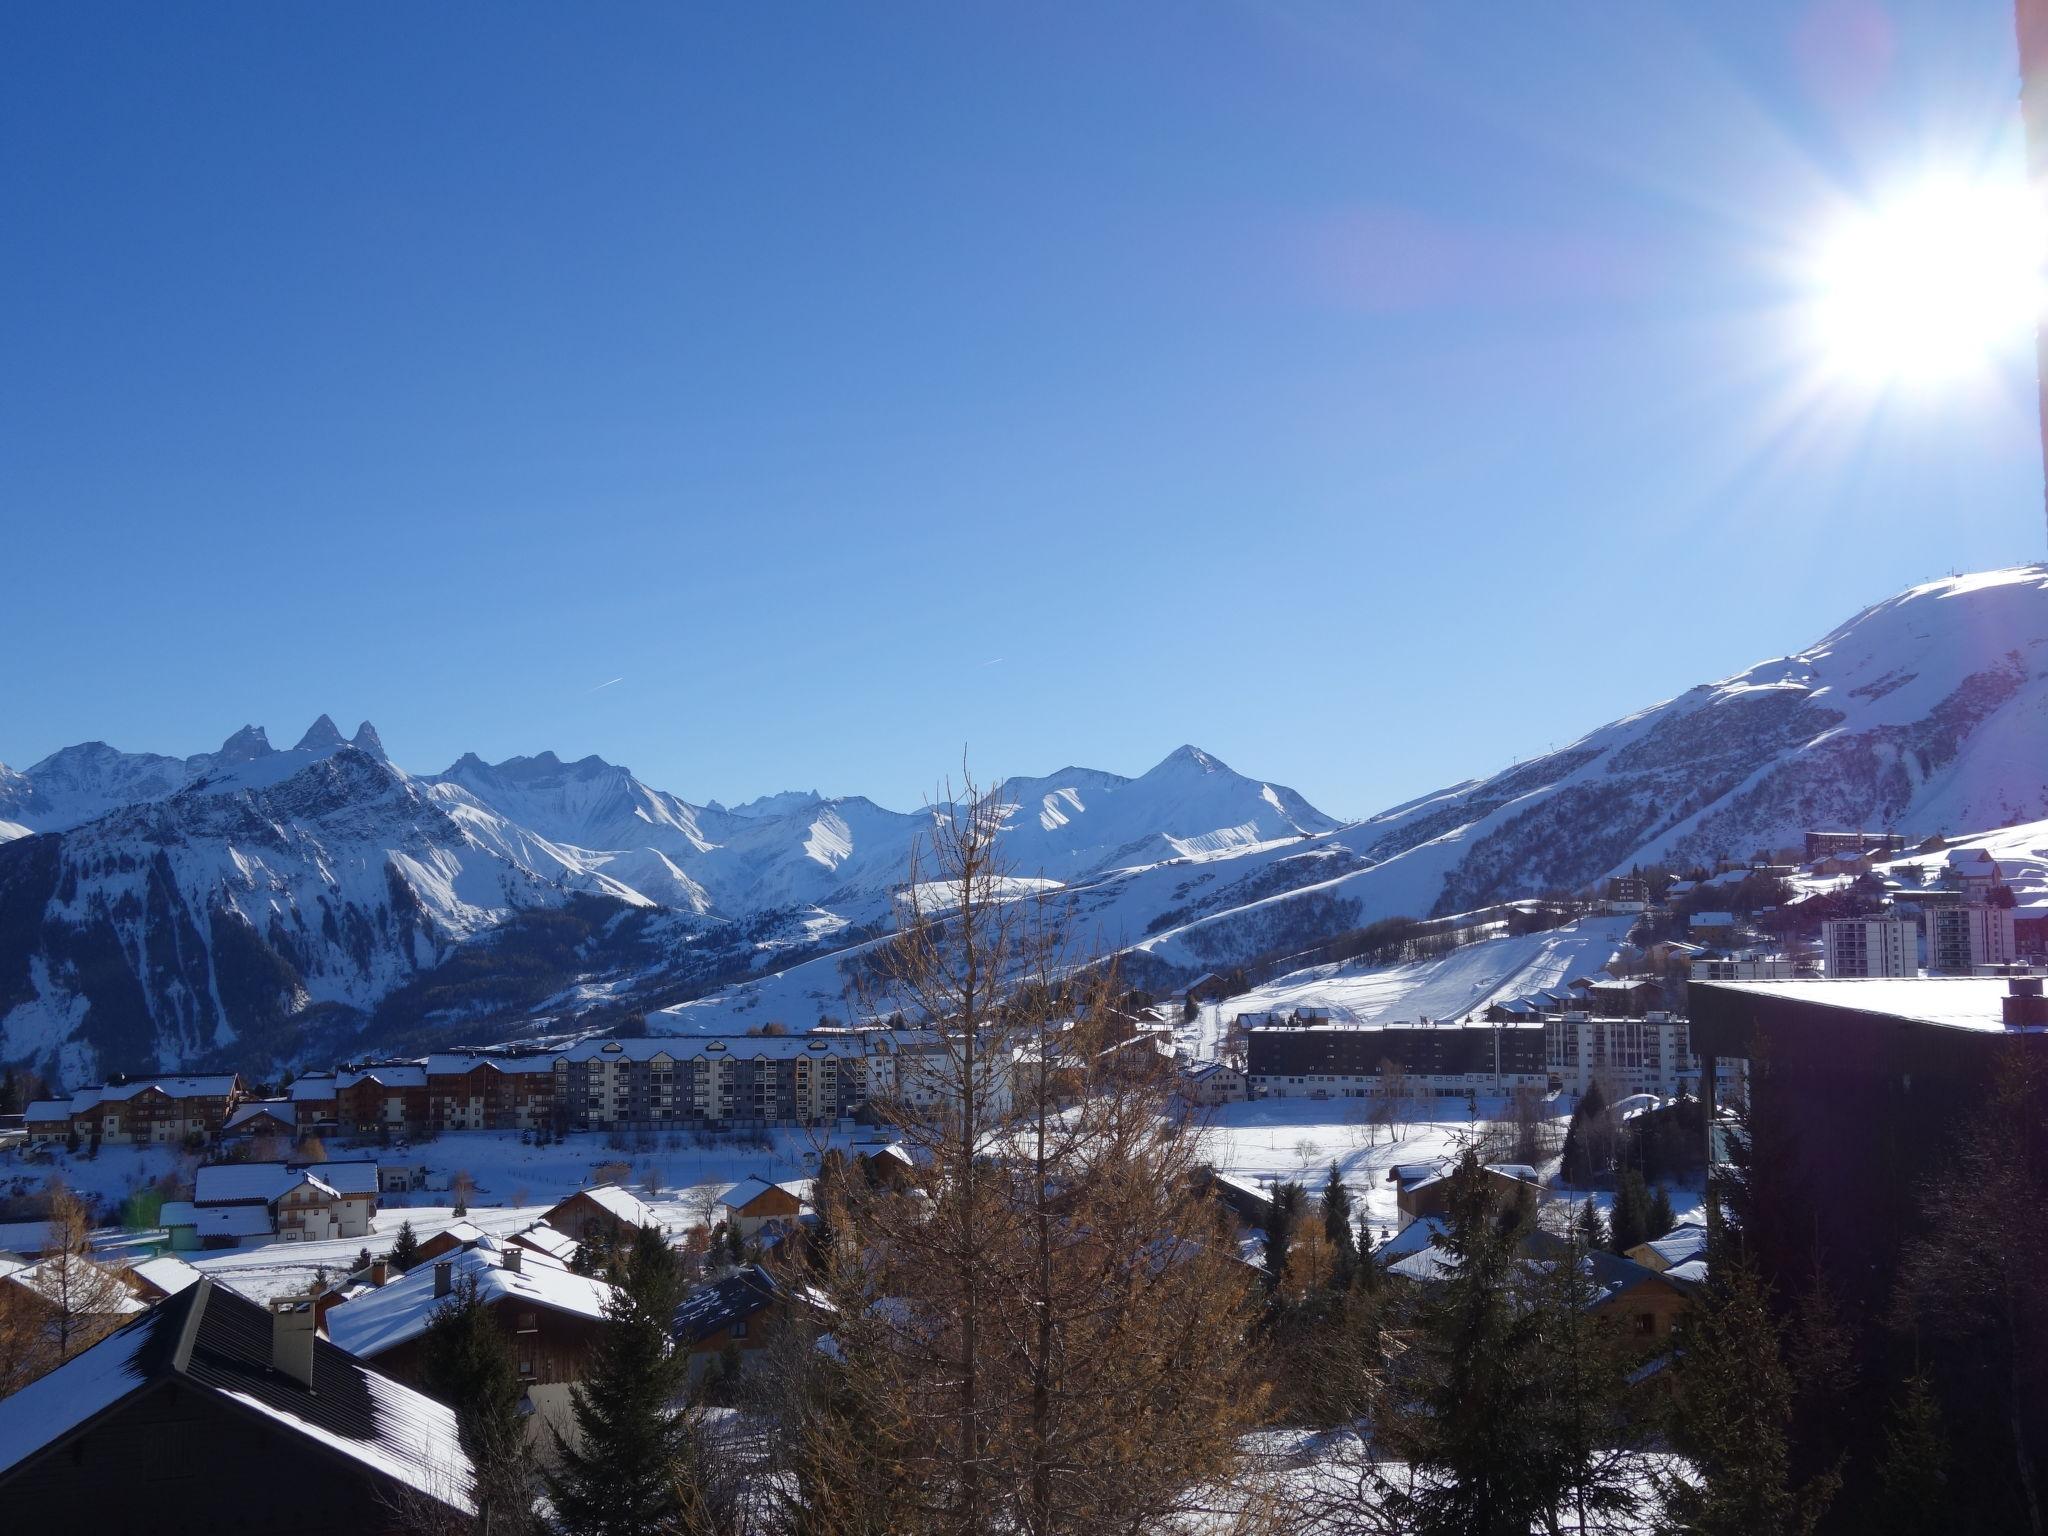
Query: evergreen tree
x=1337 y=1228
x=466 y=1362
x=1592 y=1229
x=1732 y=1419
x=1661 y=1219
x=1631 y=1219
x=363 y=1260
x=1281 y=1212
x=1585 y=1138
x=1485 y=1465
x=1912 y=1475
x=634 y=1470
x=405 y=1248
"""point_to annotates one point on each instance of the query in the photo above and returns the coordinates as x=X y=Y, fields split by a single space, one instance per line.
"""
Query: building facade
x=1960 y=938
x=1344 y=1060
x=1863 y=947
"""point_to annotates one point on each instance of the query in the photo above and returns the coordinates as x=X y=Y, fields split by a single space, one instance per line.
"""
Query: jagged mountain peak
x=323 y=735
x=248 y=744
x=367 y=740
x=1187 y=756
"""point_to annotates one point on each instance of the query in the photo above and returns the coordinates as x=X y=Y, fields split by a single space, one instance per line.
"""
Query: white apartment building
x=1652 y=1054
x=1959 y=939
x=1870 y=946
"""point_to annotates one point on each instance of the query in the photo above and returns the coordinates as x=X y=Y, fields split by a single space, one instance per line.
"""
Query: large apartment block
x=159 y=1110
x=1345 y=1060
x=1870 y=946
x=1652 y=1054
x=1961 y=938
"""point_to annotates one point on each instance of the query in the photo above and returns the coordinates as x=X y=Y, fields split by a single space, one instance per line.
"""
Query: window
x=739 y=1329
x=1646 y=1324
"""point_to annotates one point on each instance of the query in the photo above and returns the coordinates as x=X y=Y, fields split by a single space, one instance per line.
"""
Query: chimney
x=513 y=1258
x=380 y=1271
x=444 y=1278
x=2025 y=1007
x=293 y=1322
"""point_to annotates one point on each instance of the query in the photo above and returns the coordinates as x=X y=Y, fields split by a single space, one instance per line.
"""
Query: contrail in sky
x=602 y=686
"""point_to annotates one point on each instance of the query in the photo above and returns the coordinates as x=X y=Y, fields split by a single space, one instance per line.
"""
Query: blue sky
x=1368 y=393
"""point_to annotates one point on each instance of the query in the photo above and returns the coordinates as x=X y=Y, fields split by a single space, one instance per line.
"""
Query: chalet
x=544 y=1239
x=754 y=1204
x=887 y=1167
x=1713 y=927
x=1208 y=1083
x=159 y=1279
x=741 y=1310
x=1425 y=1196
x=1207 y=988
x=177 y=1423
x=262 y=1117
x=552 y=1318
x=1681 y=1245
x=463 y=1235
x=602 y=1210
x=1244 y=1199
x=1624 y=998
x=297 y=1202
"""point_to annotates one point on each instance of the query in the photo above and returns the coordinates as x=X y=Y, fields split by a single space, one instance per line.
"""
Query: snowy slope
x=261 y=890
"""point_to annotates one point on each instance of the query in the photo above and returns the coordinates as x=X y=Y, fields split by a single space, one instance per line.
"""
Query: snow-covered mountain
x=181 y=907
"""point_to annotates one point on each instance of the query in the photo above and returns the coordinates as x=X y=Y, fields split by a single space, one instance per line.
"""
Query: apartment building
x=1870 y=946
x=1961 y=938
x=152 y=1110
x=1651 y=1054
x=1328 y=1059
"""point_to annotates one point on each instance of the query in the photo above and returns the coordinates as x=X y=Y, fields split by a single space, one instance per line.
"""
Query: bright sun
x=1930 y=285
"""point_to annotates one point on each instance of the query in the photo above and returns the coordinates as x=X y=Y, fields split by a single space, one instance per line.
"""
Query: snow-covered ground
x=1448 y=987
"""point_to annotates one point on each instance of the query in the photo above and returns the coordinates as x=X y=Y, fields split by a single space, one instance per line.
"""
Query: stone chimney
x=444 y=1278
x=513 y=1258
x=380 y=1271
x=2025 y=1007
x=294 y=1320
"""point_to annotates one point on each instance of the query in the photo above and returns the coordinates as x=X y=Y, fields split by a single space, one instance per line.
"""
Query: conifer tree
x=1732 y=1418
x=1913 y=1473
x=1592 y=1229
x=467 y=1363
x=1631 y=1219
x=405 y=1248
x=1585 y=1138
x=1337 y=1228
x=1281 y=1213
x=1660 y=1219
x=633 y=1468
x=1484 y=1463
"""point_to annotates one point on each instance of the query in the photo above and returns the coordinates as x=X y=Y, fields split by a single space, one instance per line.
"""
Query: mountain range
x=262 y=905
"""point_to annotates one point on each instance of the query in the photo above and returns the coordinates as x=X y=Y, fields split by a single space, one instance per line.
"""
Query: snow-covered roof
x=105 y=1298
x=47 y=1111
x=1683 y=1243
x=454 y=1063
x=167 y=1273
x=314 y=1086
x=1953 y=1002
x=1712 y=920
x=628 y=1207
x=249 y=1109
x=400 y=1074
x=378 y=1320
x=215 y=1087
x=217 y=1343
x=218 y=1220
x=753 y=1186
x=545 y=1239
x=735 y=1047
x=1413 y=1238
x=27 y=1238
x=219 y=1183
x=713 y=1308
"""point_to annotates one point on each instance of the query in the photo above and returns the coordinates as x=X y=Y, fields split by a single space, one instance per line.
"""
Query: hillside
x=176 y=909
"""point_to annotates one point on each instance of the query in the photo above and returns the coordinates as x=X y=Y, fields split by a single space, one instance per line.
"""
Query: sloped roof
x=1683 y=1243
x=167 y=1273
x=218 y=1220
x=545 y=1239
x=621 y=1203
x=215 y=1087
x=753 y=1186
x=249 y=1109
x=218 y=1183
x=217 y=1343
x=718 y=1306
x=377 y=1320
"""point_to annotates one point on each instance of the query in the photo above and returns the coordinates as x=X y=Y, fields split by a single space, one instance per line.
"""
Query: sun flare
x=1930 y=285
